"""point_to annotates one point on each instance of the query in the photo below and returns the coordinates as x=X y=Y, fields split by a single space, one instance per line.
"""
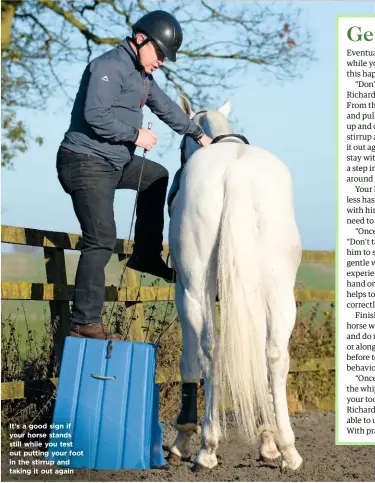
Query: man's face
x=151 y=56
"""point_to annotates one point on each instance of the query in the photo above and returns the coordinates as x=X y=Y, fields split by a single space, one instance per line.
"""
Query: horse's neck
x=215 y=126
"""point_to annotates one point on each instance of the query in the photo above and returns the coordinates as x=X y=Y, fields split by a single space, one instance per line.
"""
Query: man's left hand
x=205 y=141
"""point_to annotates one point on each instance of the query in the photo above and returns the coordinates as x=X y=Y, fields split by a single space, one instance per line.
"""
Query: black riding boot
x=148 y=236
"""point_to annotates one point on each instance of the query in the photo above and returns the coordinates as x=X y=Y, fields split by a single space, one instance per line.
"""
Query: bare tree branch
x=69 y=17
x=41 y=38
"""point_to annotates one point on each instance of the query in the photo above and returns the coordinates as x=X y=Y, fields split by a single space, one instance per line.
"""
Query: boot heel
x=74 y=334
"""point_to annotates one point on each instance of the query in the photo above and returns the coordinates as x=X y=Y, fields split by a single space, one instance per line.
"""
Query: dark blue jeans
x=91 y=182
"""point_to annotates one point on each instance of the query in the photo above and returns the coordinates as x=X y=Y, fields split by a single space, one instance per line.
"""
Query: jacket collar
x=126 y=45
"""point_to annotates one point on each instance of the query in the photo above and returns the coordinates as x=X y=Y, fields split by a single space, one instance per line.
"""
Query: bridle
x=217 y=139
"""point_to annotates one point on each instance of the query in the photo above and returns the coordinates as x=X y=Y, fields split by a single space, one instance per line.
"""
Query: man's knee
x=108 y=240
x=160 y=173
x=94 y=210
x=102 y=237
x=156 y=180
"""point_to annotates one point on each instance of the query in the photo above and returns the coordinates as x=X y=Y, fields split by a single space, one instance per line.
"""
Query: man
x=96 y=157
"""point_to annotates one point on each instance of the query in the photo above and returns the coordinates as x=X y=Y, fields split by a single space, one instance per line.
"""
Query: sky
x=295 y=120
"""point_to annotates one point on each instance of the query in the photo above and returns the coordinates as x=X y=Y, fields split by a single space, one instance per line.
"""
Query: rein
x=216 y=140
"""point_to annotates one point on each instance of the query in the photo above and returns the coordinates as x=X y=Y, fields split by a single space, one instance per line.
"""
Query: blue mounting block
x=107 y=405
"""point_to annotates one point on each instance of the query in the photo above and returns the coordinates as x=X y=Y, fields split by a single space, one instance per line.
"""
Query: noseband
x=217 y=139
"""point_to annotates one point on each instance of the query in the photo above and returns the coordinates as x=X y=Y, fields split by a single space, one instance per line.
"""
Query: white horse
x=233 y=234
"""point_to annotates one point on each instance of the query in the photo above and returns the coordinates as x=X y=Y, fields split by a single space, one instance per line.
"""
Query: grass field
x=30 y=317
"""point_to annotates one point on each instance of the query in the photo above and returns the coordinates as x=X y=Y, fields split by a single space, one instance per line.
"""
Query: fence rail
x=58 y=293
x=22 y=389
x=68 y=241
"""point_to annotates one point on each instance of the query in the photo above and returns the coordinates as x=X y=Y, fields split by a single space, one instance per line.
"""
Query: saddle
x=176 y=180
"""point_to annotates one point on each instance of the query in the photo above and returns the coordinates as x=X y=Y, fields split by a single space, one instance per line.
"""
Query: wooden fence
x=58 y=293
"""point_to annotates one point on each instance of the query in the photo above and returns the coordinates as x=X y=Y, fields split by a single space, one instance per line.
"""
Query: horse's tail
x=243 y=307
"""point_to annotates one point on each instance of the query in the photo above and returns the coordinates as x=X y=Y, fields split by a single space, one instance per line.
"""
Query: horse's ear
x=225 y=108
x=185 y=104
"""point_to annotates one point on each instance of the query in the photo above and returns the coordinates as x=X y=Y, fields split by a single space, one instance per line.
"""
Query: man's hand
x=146 y=139
x=205 y=141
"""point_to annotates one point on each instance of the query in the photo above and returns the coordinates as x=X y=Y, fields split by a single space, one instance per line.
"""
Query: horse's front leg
x=187 y=421
x=268 y=451
x=211 y=433
x=181 y=448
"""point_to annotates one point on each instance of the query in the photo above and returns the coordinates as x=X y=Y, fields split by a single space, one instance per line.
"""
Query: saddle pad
x=106 y=410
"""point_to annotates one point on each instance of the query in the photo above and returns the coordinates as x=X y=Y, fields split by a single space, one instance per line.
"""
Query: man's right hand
x=205 y=140
x=146 y=139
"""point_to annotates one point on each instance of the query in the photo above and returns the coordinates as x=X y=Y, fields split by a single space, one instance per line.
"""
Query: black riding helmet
x=163 y=29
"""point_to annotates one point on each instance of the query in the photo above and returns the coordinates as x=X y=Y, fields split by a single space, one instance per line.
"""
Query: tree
x=41 y=37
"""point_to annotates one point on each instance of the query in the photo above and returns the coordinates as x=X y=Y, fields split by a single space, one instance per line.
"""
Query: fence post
x=136 y=311
x=60 y=312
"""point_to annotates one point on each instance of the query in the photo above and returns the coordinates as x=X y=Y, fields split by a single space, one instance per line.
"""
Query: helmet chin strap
x=138 y=46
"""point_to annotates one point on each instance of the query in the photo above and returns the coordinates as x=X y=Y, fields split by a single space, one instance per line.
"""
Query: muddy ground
x=315 y=440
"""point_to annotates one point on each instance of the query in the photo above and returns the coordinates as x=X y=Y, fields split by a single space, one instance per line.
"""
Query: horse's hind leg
x=282 y=320
x=209 y=358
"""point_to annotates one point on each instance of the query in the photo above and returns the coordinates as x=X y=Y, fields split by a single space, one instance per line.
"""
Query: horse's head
x=214 y=123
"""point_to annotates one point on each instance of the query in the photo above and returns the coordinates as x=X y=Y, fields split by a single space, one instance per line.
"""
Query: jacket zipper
x=144 y=94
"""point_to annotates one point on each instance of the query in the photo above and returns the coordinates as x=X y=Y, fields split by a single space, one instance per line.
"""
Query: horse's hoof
x=205 y=461
x=198 y=468
x=265 y=459
x=272 y=457
x=173 y=459
x=288 y=468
